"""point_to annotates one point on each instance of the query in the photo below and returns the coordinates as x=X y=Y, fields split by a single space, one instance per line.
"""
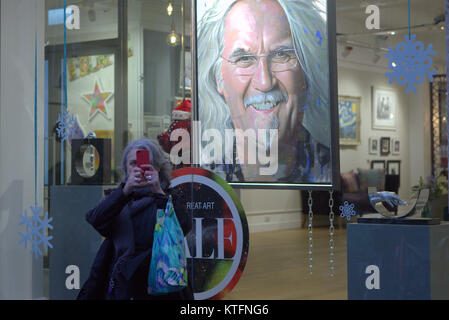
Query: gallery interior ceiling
x=351 y=16
x=427 y=22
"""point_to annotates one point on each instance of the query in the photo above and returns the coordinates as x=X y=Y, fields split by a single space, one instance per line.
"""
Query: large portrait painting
x=349 y=120
x=266 y=111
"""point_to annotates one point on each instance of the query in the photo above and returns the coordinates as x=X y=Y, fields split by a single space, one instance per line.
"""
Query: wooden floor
x=278 y=267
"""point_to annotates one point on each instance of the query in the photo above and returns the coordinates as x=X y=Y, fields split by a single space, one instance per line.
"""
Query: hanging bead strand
x=331 y=232
x=310 y=203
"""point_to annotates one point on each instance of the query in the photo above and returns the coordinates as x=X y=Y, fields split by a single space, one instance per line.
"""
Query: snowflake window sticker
x=66 y=125
x=410 y=63
x=347 y=210
x=35 y=231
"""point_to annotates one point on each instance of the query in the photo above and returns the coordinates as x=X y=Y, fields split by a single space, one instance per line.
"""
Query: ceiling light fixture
x=173 y=38
x=169 y=9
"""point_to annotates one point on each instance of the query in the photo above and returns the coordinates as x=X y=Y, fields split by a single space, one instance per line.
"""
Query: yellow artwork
x=83 y=66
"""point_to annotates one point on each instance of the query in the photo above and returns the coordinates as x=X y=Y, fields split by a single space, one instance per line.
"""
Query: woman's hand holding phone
x=142 y=174
x=141 y=178
x=152 y=177
x=135 y=180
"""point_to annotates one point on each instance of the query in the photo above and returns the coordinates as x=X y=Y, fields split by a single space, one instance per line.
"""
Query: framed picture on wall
x=394 y=167
x=228 y=101
x=378 y=164
x=395 y=146
x=384 y=109
x=349 y=119
x=384 y=146
x=188 y=72
x=373 y=145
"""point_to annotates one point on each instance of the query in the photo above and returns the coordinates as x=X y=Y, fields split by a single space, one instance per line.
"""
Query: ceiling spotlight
x=172 y=38
x=392 y=33
x=347 y=51
x=169 y=8
x=442 y=28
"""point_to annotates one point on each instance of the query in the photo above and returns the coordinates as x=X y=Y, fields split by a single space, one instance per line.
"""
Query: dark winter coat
x=120 y=219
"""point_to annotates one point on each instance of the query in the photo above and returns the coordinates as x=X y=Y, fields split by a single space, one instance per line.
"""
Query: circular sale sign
x=217 y=246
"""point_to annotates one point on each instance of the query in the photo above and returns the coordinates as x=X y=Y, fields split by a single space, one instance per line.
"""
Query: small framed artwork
x=384 y=109
x=394 y=167
x=384 y=146
x=349 y=119
x=378 y=164
x=188 y=71
x=373 y=145
x=395 y=146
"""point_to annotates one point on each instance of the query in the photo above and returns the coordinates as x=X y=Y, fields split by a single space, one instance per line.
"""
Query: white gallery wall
x=357 y=74
x=359 y=83
x=268 y=210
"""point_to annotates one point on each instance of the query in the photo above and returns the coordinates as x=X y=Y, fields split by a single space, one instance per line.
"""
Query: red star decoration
x=98 y=101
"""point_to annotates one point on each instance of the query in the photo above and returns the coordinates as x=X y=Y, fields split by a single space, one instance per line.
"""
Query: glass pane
x=120 y=91
x=267 y=105
x=80 y=117
x=154 y=66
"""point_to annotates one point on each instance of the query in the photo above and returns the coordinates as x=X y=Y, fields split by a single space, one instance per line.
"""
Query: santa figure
x=181 y=119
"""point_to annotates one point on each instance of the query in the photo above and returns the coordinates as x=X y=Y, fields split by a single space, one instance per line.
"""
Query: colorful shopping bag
x=168 y=268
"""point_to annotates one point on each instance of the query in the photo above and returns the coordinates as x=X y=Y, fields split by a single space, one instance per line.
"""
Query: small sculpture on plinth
x=401 y=211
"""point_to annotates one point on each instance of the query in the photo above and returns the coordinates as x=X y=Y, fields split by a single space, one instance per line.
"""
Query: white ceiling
x=424 y=14
x=351 y=19
x=393 y=13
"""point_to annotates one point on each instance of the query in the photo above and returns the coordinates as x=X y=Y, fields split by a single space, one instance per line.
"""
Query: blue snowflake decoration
x=35 y=231
x=410 y=63
x=347 y=210
x=66 y=125
x=320 y=38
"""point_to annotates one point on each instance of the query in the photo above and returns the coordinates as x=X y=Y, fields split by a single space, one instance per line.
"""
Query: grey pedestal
x=75 y=242
x=392 y=261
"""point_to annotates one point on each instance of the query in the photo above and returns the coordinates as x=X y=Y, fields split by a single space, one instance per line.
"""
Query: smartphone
x=142 y=158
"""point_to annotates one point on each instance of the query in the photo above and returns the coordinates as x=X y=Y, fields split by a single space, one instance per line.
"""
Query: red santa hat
x=183 y=111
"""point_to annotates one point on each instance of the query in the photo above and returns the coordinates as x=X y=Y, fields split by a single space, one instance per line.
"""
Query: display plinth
x=395 y=261
x=405 y=221
x=75 y=241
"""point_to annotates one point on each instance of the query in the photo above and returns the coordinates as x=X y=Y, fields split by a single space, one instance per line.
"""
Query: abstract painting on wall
x=349 y=119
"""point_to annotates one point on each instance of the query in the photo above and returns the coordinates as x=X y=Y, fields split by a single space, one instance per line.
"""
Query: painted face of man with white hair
x=261 y=80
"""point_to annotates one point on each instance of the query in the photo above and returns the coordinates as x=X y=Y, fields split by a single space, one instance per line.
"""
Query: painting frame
x=331 y=181
x=384 y=146
x=375 y=164
x=384 y=109
x=188 y=72
x=392 y=165
x=395 y=146
x=350 y=120
x=373 y=146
